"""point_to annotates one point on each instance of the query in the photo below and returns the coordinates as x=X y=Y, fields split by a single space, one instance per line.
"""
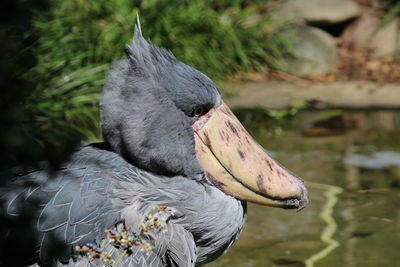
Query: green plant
x=392 y=10
x=76 y=42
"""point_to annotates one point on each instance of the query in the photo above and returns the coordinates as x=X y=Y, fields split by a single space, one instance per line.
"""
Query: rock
x=318 y=12
x=314 y=51
x=378 y=160
x=366 y=33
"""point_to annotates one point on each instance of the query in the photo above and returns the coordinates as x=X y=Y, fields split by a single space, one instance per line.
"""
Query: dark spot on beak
x=260 y=183
x=269 y=164
x=242 y=155
x=212 y=179
x=226 y=111
x=221 y=134
x=247 y=140
x=233 y=128
x=208 y=141
x=230 y=164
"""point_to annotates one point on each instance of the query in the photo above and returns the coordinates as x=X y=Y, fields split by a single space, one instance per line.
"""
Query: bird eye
x=197 y=112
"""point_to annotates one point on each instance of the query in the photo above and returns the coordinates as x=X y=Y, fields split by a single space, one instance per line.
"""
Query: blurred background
x=316 y=82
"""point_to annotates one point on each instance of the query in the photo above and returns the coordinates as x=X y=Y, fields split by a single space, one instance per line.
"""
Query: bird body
x=99 y=190
x=169 y=141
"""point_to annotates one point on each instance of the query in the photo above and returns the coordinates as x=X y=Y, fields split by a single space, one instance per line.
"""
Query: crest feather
x=144 y=57
x=138 y=28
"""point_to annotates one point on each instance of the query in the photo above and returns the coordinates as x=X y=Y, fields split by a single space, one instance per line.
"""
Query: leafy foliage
x=392 y=10
x=74 y=43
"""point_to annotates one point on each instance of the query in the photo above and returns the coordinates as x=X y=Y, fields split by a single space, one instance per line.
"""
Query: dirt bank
x=281 y=94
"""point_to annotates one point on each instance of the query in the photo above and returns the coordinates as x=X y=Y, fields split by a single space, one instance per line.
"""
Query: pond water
x=351 y=164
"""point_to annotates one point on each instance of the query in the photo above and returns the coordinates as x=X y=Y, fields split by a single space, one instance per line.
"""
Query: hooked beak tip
x=303 y=200
x=300 y=202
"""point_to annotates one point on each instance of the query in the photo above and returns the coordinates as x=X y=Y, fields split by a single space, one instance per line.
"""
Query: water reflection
x=327 y=215
x=356 y=151
x=377 y=160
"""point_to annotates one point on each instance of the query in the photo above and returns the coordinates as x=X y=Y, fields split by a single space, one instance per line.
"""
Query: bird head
x=168 y=118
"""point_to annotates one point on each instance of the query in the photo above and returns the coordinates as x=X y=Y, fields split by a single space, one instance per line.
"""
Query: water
x=351 y=162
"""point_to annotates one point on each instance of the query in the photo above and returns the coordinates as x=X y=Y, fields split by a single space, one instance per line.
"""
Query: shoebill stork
x=169 y=139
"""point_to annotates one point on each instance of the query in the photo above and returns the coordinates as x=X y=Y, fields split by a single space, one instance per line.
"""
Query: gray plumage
x=146 y=105
x=148 y=159
x=99 y=190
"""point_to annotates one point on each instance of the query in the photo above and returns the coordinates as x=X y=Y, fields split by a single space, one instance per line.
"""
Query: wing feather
x=87 y=196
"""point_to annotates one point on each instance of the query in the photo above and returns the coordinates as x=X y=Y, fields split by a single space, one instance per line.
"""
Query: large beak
x=235 y=163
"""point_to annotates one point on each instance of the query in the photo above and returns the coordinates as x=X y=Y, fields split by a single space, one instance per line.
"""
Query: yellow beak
x=235 y=163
